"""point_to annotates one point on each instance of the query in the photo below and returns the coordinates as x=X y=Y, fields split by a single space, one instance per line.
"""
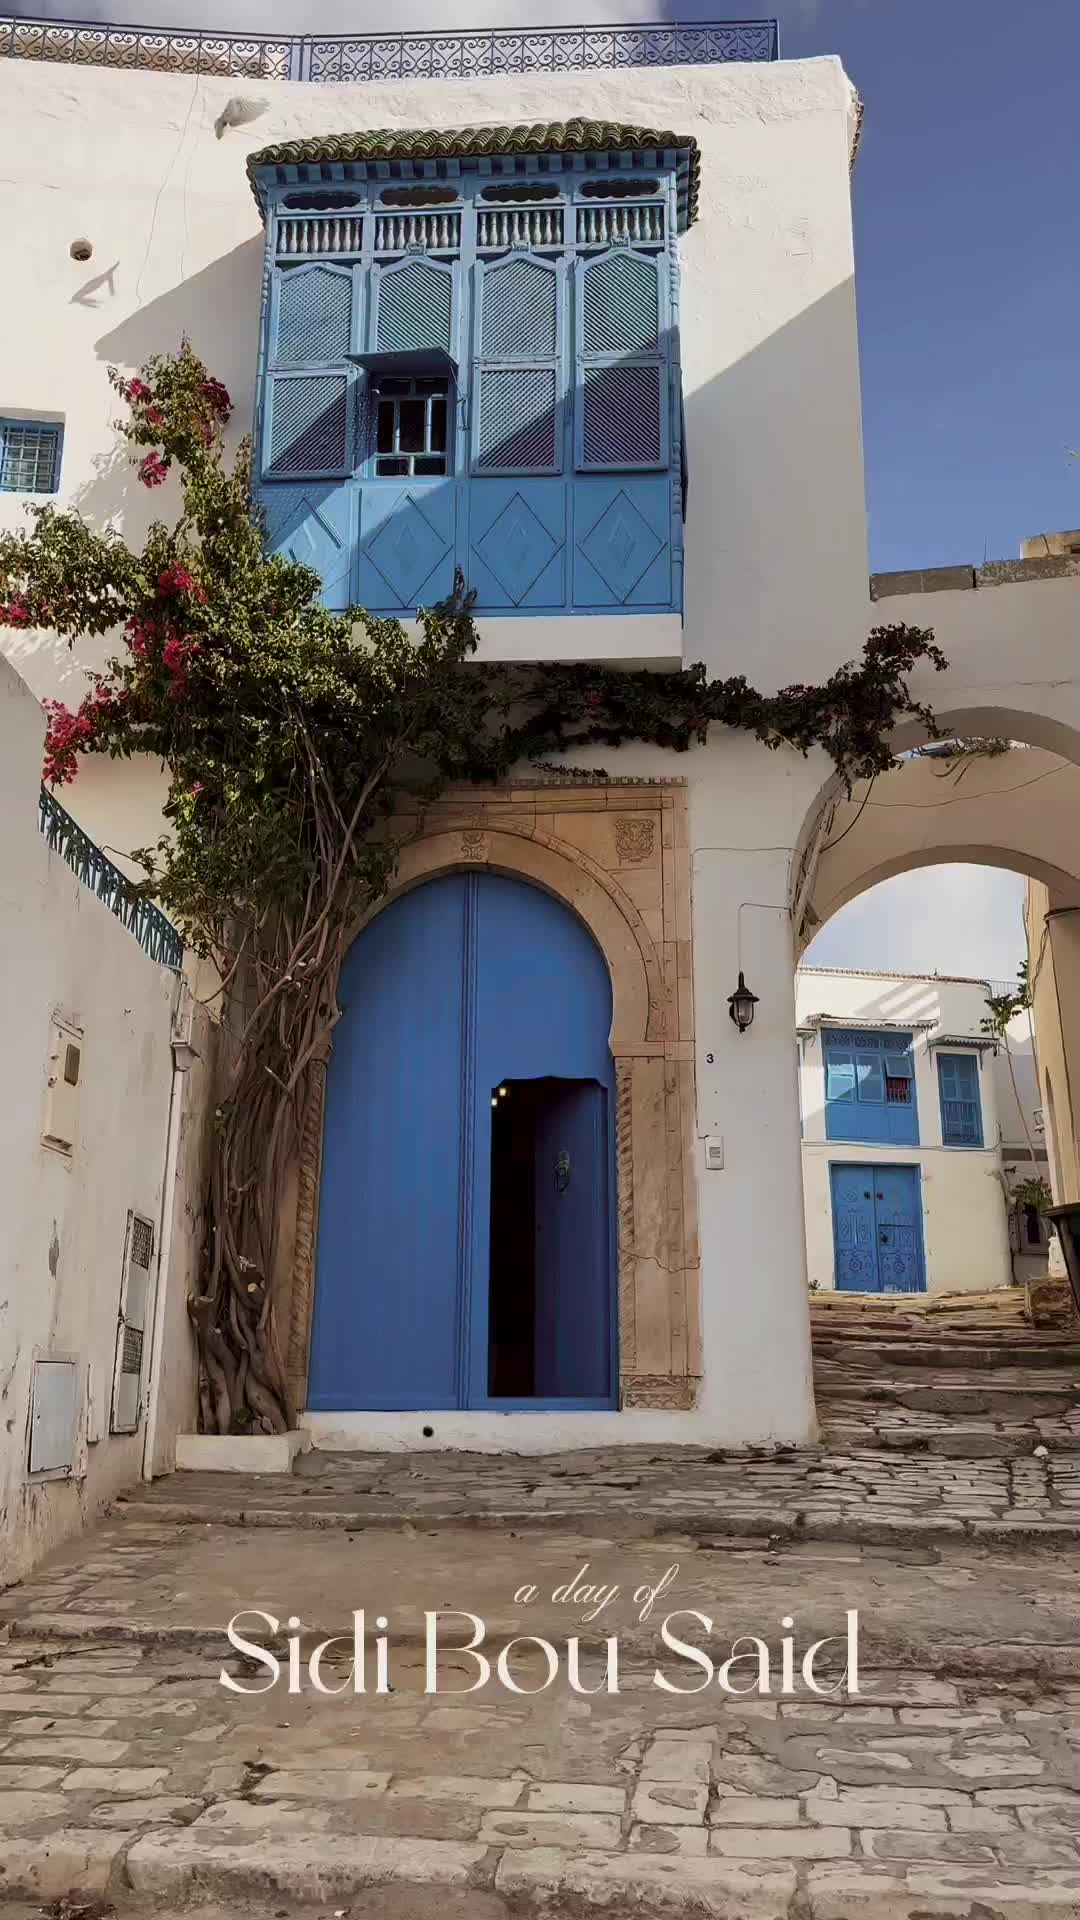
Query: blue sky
x=966 y=194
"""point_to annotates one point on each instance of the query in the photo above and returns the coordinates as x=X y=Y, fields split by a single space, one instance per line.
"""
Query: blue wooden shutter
x=309 y=425
x=870 y=1078
x=961 y=1110
x=623 y=401
x=414 y=307
x=517 y=377
x=839 y=1073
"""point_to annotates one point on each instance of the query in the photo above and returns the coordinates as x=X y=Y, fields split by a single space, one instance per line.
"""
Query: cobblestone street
x=947 y=1784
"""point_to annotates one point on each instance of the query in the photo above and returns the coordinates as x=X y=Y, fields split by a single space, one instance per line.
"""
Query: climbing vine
x=292 y=739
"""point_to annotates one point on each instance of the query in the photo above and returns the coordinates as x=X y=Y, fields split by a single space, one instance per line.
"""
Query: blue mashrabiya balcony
x=469 y=360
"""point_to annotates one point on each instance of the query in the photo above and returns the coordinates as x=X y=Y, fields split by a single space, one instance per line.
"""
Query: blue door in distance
x=877 y=1229
x=470 y=984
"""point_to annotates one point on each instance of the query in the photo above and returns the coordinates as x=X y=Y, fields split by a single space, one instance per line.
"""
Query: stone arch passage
x=1020 y=810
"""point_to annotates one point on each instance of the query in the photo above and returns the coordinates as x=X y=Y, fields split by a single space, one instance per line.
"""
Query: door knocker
x=562 y=1171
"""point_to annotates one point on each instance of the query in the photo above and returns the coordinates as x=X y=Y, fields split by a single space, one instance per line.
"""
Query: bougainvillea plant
x=289 y=736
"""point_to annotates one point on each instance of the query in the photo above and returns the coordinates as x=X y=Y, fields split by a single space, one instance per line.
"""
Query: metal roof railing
x=360 y=57
x=155 y=934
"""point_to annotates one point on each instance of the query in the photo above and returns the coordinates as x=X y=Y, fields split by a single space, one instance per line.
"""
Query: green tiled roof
x=459 y=143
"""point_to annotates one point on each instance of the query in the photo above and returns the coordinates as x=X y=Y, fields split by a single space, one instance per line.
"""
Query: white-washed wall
x=64 y=1214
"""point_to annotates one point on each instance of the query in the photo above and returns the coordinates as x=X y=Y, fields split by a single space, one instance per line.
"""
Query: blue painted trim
x=49 y=429
x=467 y=1177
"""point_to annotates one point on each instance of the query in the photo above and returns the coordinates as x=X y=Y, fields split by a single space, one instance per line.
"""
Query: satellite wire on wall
x=164 y=184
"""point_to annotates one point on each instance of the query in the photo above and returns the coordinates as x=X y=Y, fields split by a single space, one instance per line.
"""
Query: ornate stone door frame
x=616 y=854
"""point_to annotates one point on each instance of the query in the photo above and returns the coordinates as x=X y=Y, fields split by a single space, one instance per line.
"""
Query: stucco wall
x=64 y=1215
x=131 y=162
x=965 y=1228
x=1017 y=810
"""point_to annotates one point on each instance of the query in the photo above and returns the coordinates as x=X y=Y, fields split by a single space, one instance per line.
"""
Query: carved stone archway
x=616 y=854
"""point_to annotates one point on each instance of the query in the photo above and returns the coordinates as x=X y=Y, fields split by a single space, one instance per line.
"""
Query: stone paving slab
x=871 y=1493
x=960 y=1603
x=919 y=1795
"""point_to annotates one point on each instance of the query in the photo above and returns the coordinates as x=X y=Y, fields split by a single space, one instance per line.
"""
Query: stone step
x=962 y=1350
x=1025 y=1400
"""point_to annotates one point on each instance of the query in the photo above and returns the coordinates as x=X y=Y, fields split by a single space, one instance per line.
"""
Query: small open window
x=411 y=424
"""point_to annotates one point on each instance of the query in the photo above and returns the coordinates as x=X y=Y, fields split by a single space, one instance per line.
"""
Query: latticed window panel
x=620 y=306
x=518 y=419
x=142 y=1242
x=960 y=1123
x=29 y=456
x=131 y=1351
x=314 y=322
x=622 y=421
x=415 y=308
x=309 y=425
x=519 y=312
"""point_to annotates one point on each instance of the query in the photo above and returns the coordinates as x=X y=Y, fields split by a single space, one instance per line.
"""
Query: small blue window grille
x=30 y=456
x=961 y=1109
x=870 y=1087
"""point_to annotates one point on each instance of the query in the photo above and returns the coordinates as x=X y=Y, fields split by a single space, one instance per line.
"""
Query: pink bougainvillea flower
x=218 y=397
x=153 y=470
x=155 y=416
x=137 y=390
x=175 y=580
x=15 y=613
x=142 y=635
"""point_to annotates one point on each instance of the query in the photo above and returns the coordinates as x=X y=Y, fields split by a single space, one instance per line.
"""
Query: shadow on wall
x=777 y=574
x=218 y=311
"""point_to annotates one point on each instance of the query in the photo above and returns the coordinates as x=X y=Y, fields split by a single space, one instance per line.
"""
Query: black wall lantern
x=741 y=1005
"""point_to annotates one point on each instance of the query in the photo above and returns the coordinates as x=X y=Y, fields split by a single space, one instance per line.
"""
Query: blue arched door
x=474 y=1007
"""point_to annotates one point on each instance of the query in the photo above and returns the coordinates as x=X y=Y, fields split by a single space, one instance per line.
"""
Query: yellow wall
x=1053 y=930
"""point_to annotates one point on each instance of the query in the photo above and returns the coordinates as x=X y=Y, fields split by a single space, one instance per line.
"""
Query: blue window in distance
x=870 y=1087
x=961 y=1108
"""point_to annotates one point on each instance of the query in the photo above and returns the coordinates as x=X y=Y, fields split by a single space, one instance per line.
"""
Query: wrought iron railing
x=152 y=930
x=380 y=56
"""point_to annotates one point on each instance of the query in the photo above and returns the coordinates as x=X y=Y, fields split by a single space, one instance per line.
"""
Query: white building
x=913 y=1136
x=627 y=295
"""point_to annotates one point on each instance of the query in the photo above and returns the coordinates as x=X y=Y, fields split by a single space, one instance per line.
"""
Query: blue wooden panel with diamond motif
x=622 y=543
x=877 y=1228
x=406 y=552
x=517 y=543
x=315 y=525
